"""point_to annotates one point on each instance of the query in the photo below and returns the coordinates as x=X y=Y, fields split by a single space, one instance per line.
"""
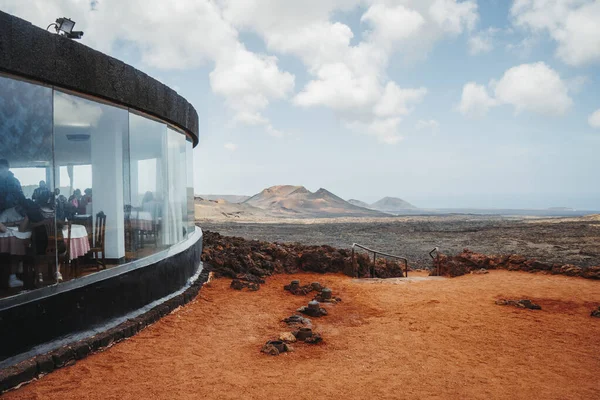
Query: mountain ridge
x=290 y=200
x=391 y=204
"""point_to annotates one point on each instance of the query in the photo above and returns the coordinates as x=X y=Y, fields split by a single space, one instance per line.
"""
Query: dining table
x=79 y=244
x=14 y=242
x=141 y=220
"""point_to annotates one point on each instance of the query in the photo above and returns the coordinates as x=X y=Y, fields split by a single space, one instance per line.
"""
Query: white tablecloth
x=14 y=242
x=80 y=244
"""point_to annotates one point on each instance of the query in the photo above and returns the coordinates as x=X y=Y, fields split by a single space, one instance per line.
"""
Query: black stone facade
x=33 y=53
x=27 y=325
x=42 y=364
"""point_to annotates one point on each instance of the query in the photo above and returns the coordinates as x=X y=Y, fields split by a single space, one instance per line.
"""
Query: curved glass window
x=189 y=156
x=26 y=180
x=86 y=184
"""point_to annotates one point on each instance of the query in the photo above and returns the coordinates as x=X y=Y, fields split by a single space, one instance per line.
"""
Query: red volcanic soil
x=443 y=339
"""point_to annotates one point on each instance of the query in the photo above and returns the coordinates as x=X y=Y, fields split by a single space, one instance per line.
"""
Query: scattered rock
x=326 y=297
x=275 y=347
x=297 y=320
x=524 y=303
x=239 y=285
x=287 y=337
x=313 y=309
x=295 y=288
x=596 y=313
x=270 y=350
x=480 y=271
x=249 y=278
x=303 y=333
x=314 y=339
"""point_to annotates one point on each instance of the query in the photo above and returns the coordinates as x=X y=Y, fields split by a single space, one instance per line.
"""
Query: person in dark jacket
x=42 y=194
x=11 y=193
x=12 y=200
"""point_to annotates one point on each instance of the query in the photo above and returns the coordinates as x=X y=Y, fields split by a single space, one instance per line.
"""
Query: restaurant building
x=102 y=154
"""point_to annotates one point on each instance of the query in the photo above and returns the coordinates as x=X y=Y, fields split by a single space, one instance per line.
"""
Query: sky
x=444 y=103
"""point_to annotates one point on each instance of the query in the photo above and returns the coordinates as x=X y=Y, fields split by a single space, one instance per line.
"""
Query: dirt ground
x=550 y=240
x=430 y=339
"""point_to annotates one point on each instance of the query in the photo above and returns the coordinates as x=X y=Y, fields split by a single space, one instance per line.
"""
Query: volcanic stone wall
x=236 y=257
x=467 y=261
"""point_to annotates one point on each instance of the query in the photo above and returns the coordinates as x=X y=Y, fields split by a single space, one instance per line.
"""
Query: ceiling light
x=80 y=137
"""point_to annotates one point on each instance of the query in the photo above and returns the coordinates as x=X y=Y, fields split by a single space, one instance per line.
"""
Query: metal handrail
x=436 y=259
x=375 y=253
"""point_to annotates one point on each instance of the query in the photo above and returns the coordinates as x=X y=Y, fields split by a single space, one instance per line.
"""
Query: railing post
x=354 y=269
x=373 y=267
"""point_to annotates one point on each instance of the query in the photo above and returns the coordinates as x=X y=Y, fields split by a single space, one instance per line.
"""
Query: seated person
x=64 y=209
x=11 y=197
x=151 y=205
x=42 y=195
x=85 y=202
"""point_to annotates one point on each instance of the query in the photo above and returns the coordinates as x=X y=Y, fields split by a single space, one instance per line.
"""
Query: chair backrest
x=50 y=226
x=51 y=229
x=100 y=230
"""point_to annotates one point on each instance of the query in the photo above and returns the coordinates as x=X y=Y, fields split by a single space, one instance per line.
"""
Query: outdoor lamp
x=66 y=25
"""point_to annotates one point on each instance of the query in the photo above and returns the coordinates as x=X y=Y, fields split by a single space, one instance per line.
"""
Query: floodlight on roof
x=64 y=27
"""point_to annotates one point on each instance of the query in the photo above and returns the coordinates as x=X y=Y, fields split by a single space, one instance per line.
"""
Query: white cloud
x=350 y=78
x=384 y=129
x=527 y=87
x=392 y=24
x=453 y=16
x=533 y=87
x=347 y=77
x=230 y=146
x=594 y=119
x=573 y=24
x=482 y=42
x=188 y=35
x=398 y=101
x=430 y=125
x=524 y=47
x=475 y=100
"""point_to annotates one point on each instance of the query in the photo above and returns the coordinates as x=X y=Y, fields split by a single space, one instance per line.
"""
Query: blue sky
x=443 y=103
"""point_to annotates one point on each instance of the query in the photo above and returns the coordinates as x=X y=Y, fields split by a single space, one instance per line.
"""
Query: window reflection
x=88 y=145
x=148 y=187
x=84 y=186
x=26 y=180
x=189 y=156
x=176 y=216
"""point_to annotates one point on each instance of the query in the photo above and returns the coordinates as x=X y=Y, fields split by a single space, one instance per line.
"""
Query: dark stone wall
x=25 y=326
x=33 y=53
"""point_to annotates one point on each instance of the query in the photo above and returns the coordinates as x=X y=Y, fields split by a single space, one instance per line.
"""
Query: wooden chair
x=51 y=256
x=99 y=236
x=153 y=234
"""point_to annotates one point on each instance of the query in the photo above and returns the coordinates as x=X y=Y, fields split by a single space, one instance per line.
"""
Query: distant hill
x=392 y=204
x=218 y=209
x=359 y=203
x=297 y=201
x=231 y=198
